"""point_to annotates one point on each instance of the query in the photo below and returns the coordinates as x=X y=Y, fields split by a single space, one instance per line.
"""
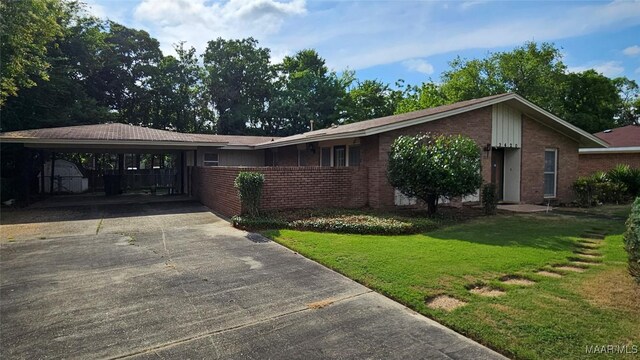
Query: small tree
x=429 y=167
x=249 y=185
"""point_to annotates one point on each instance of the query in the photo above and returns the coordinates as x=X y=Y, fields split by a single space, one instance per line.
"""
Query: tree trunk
x=432 y=204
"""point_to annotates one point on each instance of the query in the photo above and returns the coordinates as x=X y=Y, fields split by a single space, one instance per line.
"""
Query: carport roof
x=124 y=134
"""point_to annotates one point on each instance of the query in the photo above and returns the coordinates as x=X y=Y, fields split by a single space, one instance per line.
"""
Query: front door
x=497 y=171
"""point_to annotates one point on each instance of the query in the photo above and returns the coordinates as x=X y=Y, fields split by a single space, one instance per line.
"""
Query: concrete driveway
x=172 y=280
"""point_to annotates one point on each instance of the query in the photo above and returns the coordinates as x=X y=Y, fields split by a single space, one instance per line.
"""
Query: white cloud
x=198 y=21
x=637 y=71
x=363 y=34
x=609 y=68
x=418 y=65
x=632 y=50
x=472 y=3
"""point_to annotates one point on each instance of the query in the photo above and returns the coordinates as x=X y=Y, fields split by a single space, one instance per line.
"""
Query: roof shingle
x=621 y=137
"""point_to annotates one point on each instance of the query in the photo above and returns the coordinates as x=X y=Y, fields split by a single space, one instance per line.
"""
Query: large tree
x=27 y=27
x=63 y=98
x=239 y=79
x=306 y=91
x=590 y=101
x=128 y=62
x=177 y=93
x=370 y=99
x=426 y=96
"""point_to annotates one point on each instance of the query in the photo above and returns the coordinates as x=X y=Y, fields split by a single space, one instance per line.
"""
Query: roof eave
x=611 y=150
x=124 y=143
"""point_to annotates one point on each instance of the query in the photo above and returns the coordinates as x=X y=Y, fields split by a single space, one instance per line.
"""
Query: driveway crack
x=209 y=334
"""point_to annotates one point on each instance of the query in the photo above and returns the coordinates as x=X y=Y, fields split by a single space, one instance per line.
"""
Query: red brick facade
x=536 y=138
x=590 y=163
x=290 y=186
x=284 y=187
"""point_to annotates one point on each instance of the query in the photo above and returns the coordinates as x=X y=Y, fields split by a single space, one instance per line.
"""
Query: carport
x=114 y=158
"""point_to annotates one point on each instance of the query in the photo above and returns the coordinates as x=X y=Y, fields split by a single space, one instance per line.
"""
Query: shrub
x=632 y=240
x=428 y=167
x=489 y=198
x=258 y=222
x=355 y=224
x=626 y=176
x=249 y=185
x=598 y=189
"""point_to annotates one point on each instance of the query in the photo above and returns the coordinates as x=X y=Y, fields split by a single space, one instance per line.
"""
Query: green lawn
x=555 y=318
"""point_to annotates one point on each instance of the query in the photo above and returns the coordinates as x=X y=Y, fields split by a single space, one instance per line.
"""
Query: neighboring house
x=530 y=153
x=623 y=148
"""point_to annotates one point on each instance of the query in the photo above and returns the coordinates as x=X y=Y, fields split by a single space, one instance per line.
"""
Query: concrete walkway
x=174 y=281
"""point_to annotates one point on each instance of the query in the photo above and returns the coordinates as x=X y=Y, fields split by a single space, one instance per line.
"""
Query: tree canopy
x=62 y=67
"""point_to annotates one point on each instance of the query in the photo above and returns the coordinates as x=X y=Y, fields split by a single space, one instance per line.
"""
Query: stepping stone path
x=516 y=280
x=549 y=274
x=587 y=255
x=570 y=268
x=445 y=302
x=487 y=291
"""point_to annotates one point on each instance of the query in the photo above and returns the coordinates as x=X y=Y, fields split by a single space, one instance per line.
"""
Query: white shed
x=66 y=178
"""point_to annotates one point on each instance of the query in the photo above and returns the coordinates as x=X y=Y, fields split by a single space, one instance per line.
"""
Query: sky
x=391 y=40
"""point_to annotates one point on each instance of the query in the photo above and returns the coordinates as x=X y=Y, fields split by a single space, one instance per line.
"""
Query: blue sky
x=390 y=40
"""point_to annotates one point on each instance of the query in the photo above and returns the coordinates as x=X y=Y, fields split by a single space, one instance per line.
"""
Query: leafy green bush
x=598 y=189
x=432 y=166
x=632 y=240
x=626 y=176
x=489 y=198
x=355 y=224
x=249 y=185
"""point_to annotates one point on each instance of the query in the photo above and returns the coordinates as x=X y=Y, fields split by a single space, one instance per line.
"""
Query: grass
x=555 y=318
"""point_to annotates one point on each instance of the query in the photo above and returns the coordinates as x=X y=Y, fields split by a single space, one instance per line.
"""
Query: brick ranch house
x=624 y=148
x=530 y=153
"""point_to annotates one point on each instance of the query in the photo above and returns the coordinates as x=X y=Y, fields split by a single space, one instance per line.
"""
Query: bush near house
x=352 y=221
x=429 y=166
x=489 y=198
x=632 y=240
x=618 y=185
x=249 y=185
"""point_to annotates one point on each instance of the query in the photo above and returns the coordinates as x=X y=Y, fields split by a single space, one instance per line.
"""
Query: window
x=210 y=159
x=339 y=156
x=302 y=158
x=354 y=155
x=550 y=172
x=325 y=156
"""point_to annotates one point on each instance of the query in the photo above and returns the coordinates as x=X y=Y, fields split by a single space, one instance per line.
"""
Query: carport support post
x=53 y=166
x=41 y=158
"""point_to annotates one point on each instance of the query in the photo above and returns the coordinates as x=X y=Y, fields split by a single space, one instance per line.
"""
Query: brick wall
x=535 y=139
x=590 y=163
x=284 y=188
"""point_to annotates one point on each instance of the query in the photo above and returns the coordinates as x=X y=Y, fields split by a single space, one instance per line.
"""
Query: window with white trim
x=210 y=159
x=550 y=172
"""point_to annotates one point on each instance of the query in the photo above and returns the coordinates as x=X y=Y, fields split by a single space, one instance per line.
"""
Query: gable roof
x=621 y=137
x=388 y=123
x=116 y=133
